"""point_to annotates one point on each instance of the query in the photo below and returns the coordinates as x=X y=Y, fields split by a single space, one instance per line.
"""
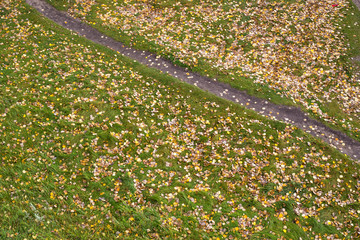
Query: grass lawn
x=95 y=146
x=290 y=52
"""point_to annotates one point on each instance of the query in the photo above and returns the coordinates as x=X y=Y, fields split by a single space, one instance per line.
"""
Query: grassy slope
x=331 y=113
x=96 y=146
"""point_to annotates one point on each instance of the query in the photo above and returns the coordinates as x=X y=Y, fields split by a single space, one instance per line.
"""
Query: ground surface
x=288 y=114
x=357 y=3
x=298 y=50
x=96 y=146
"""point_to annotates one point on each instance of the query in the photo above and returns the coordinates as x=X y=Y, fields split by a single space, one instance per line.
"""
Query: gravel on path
x=291 y=115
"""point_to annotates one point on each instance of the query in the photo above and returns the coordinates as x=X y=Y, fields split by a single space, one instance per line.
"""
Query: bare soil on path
x=357 y=3
x=291 y=115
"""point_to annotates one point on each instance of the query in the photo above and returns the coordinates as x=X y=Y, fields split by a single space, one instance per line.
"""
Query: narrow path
x=291 y=115
x=357 y=3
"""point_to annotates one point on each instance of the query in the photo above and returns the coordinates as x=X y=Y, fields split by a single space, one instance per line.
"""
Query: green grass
x=351 y=30
x=95 y=146
x=325 y=90
x=62 y=5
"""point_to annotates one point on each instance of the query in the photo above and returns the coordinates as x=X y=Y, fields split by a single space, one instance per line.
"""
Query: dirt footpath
x=291 y=115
